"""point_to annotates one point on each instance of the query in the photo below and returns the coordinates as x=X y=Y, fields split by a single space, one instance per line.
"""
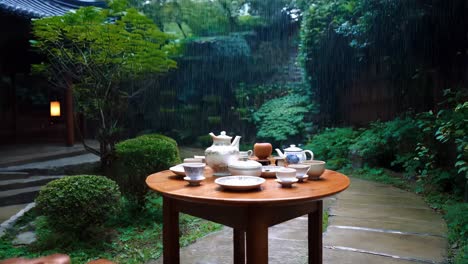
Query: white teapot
x=222 y=153
x=294 y=154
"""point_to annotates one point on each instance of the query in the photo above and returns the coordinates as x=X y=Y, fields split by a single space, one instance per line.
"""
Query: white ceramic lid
x=245 y=165
x=221 y=136
x=293 y=148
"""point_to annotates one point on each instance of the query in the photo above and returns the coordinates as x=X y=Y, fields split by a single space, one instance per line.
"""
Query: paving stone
x=336 y=256
x=381 y=200
x=430 y=248
x=8 y=211
x=384 y=213
x=434 y=228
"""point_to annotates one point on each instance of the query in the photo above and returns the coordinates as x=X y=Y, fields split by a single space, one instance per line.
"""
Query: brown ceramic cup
x=262 y=150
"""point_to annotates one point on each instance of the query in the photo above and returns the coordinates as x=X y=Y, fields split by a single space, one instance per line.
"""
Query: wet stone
x=25 y=238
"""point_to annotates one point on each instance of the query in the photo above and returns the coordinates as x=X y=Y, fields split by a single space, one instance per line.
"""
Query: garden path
x=368 y=223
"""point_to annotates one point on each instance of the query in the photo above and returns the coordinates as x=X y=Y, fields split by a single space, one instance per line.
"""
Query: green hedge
x=139 y=157
x=75 y=203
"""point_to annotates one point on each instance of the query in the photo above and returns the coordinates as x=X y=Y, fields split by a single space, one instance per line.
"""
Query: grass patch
x=133 y=237
x=325 y=221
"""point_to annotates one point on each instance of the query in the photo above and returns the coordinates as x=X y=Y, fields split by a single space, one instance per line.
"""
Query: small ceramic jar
x=262 y=150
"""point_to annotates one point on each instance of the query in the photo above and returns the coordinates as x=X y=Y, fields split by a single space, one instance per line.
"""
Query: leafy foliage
x=387 y=139
x=97 y=50
x=333 y=146
x=357 y=41
x=215 y=17
x=281 y=118
x=279 y=111
x=419 y=145
x=457 y=222
x=138 y=157
x=76 y=203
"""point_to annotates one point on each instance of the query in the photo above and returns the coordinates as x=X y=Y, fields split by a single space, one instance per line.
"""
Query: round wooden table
x=249 y=213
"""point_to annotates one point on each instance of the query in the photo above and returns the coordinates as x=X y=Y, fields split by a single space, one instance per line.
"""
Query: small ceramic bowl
x=317 y=167
x=194 y=170
x=248 y=168
x=286 y=174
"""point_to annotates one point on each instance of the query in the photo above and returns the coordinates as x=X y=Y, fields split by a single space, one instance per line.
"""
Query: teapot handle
x=311 y=154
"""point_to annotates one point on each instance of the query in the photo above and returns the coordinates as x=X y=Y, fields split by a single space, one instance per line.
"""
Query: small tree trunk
x=466 y=191
x=181 y=29
x=69 y=118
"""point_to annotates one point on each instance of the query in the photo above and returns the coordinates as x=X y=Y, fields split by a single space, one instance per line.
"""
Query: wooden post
x=69 y=122
x=315 y=234
x=171 y=231
x=14 y=105
x=239 y=246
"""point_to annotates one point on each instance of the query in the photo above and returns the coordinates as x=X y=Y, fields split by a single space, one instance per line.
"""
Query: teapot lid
x=293 y=148
x=221 y=136
x=248 y=164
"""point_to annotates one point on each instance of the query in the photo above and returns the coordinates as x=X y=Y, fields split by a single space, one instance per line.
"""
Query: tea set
x=246 y=168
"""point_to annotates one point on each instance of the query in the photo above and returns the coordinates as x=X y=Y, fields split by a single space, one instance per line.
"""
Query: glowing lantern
x=55 y=108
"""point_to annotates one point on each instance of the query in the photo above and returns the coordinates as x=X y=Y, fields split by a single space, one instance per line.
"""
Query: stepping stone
x=25 y=238
x=69 y=165
x=18 y=196
x=28 y=182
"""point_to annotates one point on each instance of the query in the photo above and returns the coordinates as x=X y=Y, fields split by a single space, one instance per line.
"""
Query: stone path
x=369 y=223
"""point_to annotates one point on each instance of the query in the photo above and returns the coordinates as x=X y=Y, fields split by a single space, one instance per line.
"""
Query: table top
x=271 y=192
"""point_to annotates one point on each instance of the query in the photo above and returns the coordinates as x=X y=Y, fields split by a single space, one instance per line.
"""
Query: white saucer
x=194 y=182
x=302 y=178
x=287 y=184
x=240 y=182
x=178 y=170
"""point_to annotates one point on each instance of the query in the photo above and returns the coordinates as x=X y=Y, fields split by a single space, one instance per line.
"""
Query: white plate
x=240 y=183
x=178 y=170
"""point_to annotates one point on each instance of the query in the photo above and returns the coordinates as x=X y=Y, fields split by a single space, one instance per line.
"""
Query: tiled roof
x=45 y=8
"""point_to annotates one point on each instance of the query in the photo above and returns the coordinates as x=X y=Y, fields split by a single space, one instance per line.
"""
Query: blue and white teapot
x=294 y=154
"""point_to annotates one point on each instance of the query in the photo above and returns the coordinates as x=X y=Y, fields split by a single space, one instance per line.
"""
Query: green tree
x=96 y=50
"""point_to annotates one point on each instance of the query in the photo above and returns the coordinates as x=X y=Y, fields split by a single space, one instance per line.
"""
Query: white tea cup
x=194 y=170
x=286 y=174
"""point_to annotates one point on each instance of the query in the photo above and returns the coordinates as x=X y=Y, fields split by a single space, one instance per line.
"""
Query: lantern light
x=54 y=108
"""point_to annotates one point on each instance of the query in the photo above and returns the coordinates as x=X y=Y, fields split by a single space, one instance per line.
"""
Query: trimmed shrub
x=139 y=157
x=75 y=203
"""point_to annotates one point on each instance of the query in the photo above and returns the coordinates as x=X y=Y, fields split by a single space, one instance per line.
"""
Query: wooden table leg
x=257 y=242
x=315 y=234
x=239 y=246
x=170 y=232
